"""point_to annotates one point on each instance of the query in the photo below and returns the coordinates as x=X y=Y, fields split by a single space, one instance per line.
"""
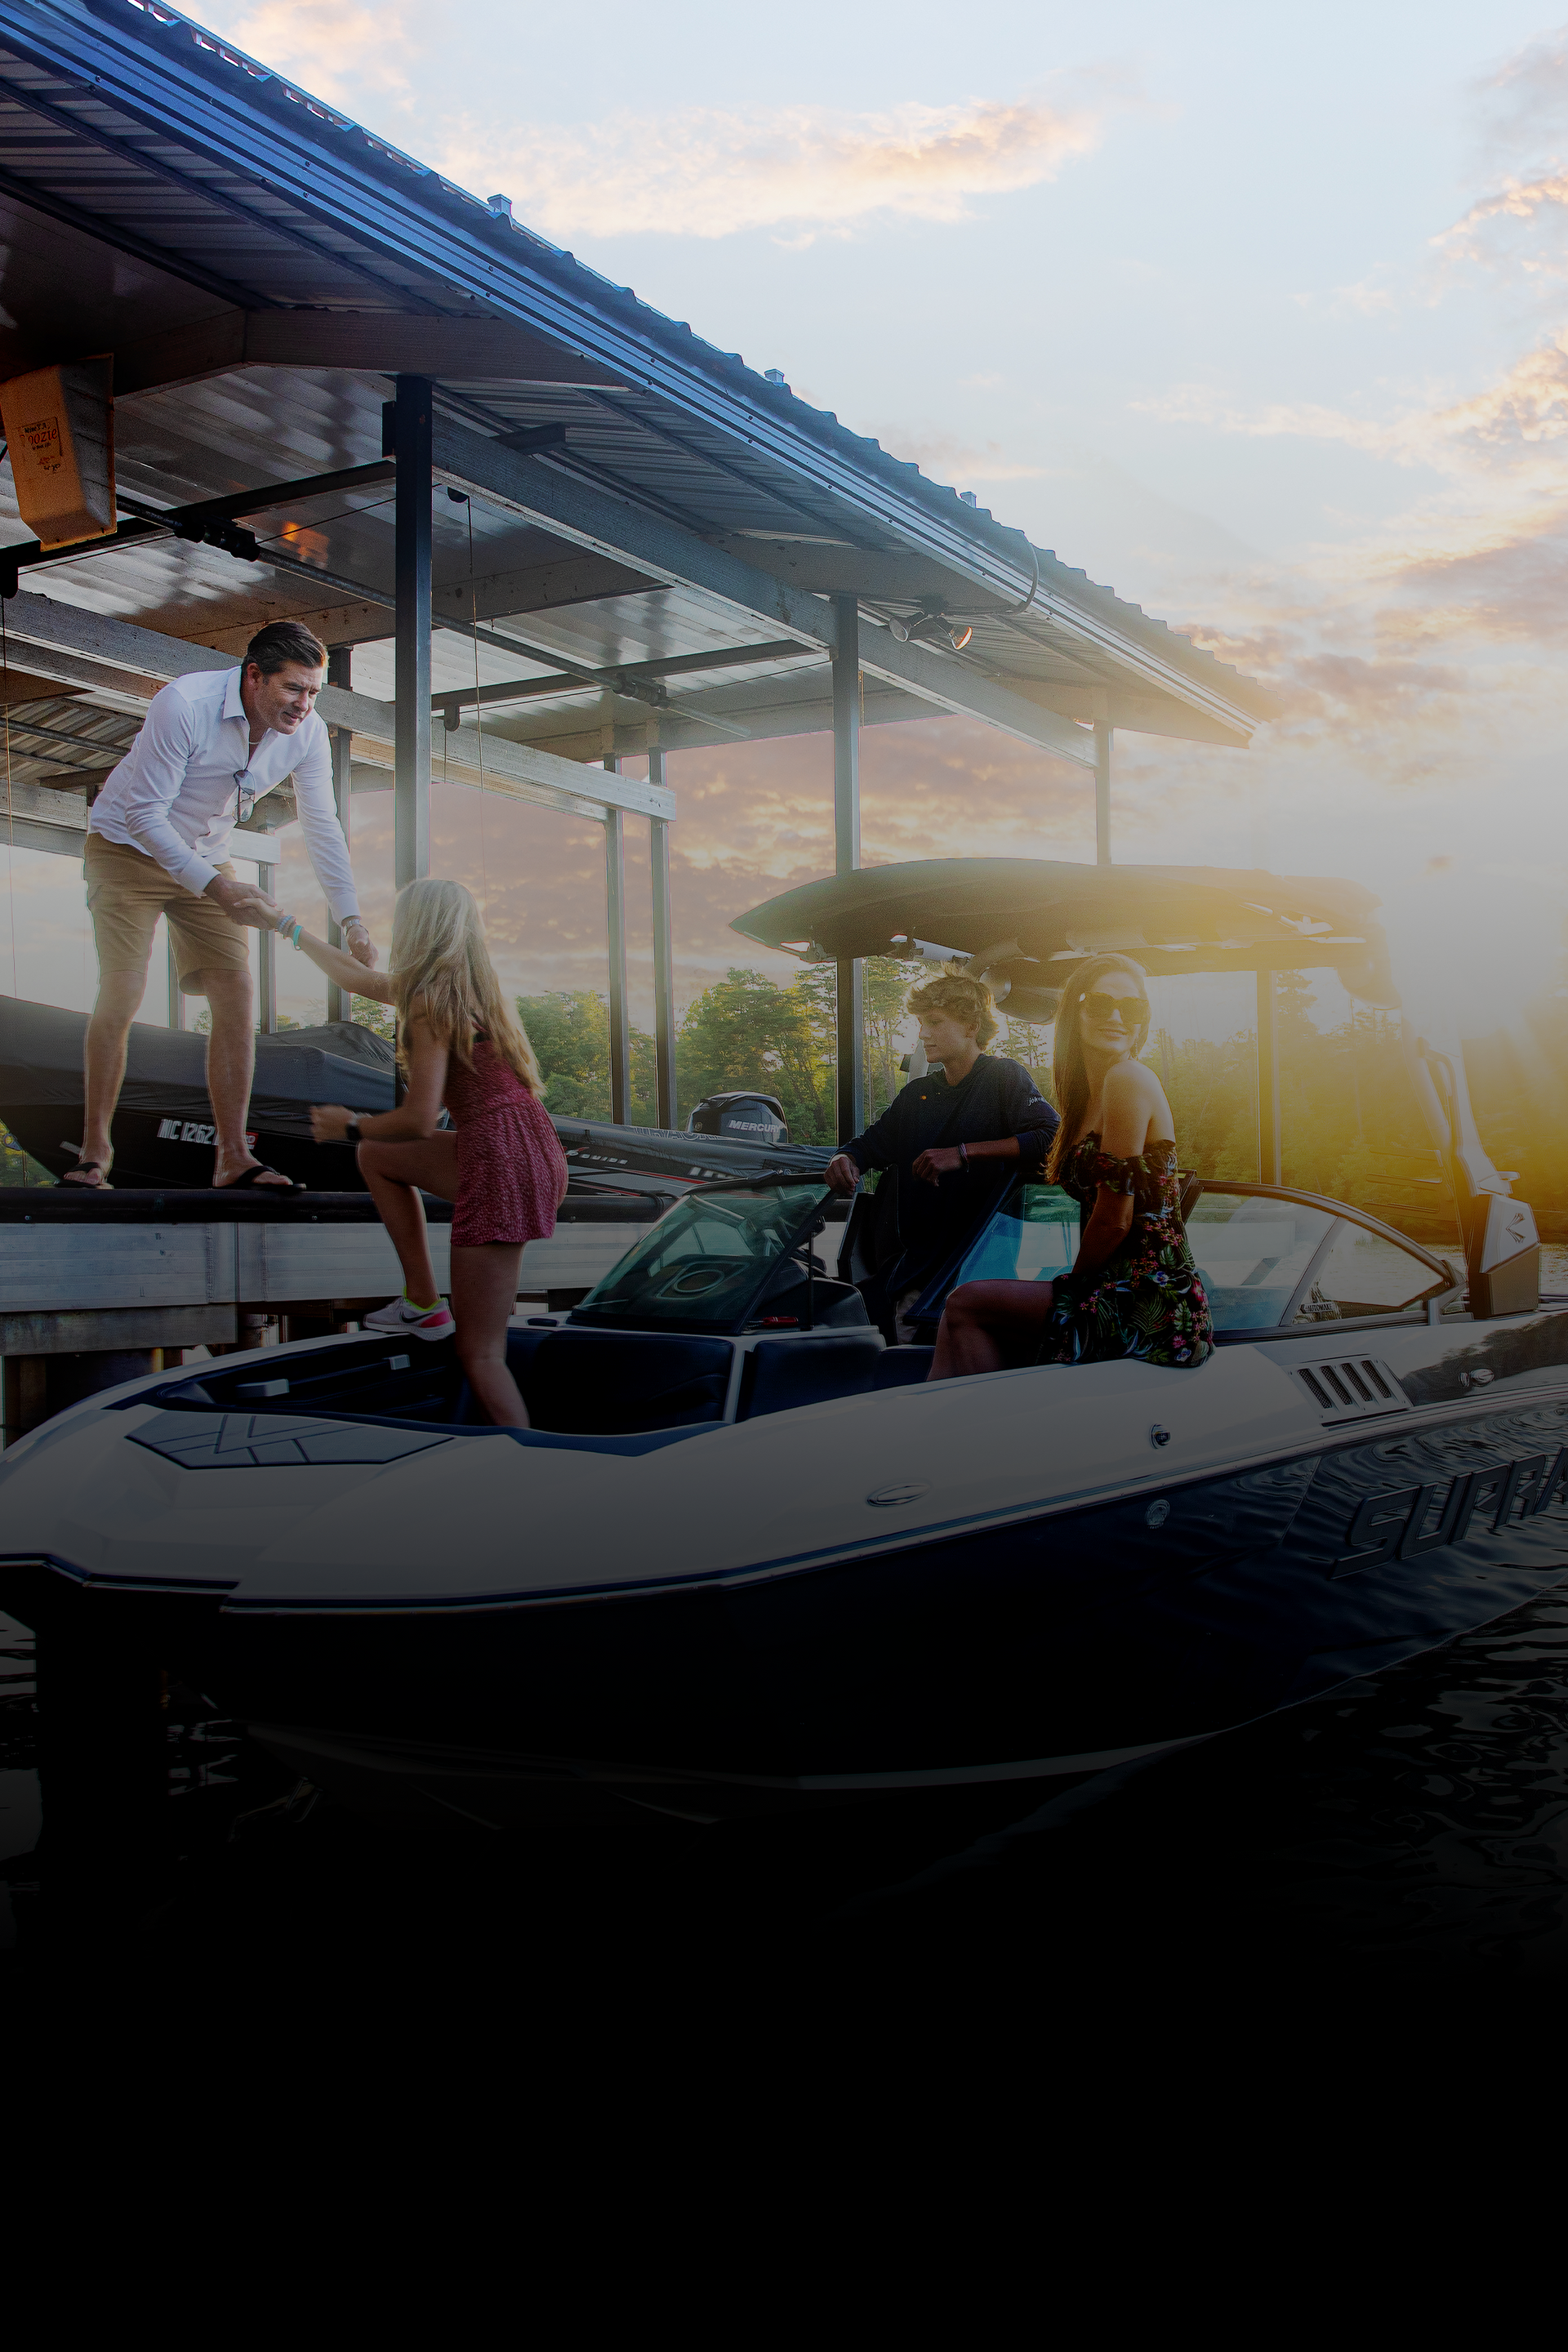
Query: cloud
x=945 y=457
x=1525 y=408
x=336 y=48
x=712 y=171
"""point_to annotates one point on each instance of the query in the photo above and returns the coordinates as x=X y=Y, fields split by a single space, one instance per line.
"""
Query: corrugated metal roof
x=182 y=183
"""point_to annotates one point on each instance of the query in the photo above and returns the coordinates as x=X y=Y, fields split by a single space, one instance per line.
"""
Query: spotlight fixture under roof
x=932 y=624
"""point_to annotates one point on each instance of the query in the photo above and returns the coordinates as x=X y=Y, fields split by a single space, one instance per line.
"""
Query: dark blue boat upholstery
x=619 y=1382
x=781 y=1374
x=898 y=1367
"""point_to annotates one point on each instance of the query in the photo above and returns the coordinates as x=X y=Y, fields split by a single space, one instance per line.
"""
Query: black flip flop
x=72 y=1174
x=250 y=1183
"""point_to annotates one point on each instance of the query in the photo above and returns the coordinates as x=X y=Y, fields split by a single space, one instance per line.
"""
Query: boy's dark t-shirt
x=998 y=1097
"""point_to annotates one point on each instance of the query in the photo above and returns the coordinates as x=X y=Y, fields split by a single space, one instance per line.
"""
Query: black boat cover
x=165 y=1079
x=165 y=1072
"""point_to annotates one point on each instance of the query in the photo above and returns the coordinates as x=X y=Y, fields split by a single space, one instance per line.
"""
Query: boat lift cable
x=10 y=806
x=478 y=715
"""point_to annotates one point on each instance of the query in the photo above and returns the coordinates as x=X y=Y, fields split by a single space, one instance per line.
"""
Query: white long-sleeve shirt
x=175 y=794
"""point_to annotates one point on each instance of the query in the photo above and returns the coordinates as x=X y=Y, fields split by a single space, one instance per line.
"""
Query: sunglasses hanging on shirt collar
x=245 y=796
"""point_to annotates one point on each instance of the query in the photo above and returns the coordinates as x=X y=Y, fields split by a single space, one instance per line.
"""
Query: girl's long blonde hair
x=1069 y=1077
x=441 y=971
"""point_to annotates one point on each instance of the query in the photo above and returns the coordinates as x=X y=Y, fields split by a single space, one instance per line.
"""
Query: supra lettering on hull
x=1403 y=1522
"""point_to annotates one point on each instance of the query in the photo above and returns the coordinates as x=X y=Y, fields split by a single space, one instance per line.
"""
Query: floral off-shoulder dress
x=1146 y=1300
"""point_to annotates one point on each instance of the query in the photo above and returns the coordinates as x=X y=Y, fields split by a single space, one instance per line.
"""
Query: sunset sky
x=1258 y=316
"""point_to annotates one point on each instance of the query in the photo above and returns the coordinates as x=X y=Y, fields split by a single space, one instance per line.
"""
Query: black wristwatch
x=352 y=1133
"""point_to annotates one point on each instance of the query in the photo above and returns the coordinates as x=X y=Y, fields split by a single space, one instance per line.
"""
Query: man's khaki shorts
x=126 y=893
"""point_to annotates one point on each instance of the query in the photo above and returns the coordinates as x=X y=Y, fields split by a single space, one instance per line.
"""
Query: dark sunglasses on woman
x=1132 y=1010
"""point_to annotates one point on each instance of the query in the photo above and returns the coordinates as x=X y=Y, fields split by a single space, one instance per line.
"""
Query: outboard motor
x=750 y=1118
x=1502 y=1248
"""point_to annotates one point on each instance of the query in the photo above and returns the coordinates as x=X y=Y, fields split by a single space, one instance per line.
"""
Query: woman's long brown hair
x=1070 y=1078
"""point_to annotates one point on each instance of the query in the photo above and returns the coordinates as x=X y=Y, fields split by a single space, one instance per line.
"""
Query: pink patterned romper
x=511 y=1170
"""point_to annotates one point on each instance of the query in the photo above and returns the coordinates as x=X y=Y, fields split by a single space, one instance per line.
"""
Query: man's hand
x=243 y=903
x=944 y=1159
x=360 y=944
x=842 y=1173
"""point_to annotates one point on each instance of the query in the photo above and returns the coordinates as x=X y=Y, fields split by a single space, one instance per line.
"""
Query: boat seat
x=898 y=1368
x=781 y=1374
x=619 y=1383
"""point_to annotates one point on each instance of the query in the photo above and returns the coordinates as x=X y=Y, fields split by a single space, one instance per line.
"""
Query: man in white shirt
x=210 y=746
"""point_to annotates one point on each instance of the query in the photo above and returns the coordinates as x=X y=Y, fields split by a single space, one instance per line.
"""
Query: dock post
x=1102 y=740
x=412 y=445
x=615 y=926
x=1268 y=1160
x=663 y=955
x=339 y=672
x=851 y=1041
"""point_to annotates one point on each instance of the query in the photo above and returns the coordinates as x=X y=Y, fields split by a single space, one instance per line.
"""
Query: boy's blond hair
x=968 y=1002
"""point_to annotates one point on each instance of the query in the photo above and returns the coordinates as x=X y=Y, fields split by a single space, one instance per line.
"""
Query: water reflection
x=1415 y=1823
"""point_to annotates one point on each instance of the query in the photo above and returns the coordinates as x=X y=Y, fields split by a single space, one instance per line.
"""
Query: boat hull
x=1056 y=1643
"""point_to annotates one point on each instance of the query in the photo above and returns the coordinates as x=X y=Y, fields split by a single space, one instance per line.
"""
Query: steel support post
x=1268 y=1161
x=411 y=446
x=846 y=858
x=339 y=672
x=616 y=924
x=663 y=955
x=1102 y=736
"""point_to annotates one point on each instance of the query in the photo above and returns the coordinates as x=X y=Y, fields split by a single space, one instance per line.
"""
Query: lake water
x=1412 y=1826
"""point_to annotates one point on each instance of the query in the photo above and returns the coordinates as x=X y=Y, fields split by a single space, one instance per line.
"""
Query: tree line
x=1350 y=1126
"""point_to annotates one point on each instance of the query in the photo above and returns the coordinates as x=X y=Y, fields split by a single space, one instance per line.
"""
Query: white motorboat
x=747 y=1557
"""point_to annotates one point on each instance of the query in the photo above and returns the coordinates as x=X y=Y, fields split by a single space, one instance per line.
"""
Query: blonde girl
x=500 y=1162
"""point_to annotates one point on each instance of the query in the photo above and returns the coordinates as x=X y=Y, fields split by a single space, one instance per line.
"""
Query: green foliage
x=368 y=1013
x=569 y=1030
x=1350 y=1126
x=745 y=1031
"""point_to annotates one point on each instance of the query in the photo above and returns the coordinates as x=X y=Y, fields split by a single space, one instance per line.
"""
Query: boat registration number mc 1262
x=193 y=1130
x=1403 y=1522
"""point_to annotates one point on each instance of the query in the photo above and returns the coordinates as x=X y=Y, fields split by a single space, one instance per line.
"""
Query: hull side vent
x=1351 y=1388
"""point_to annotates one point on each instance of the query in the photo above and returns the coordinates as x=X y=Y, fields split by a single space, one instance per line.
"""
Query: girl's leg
x=989 y=1327
x=484 y=1292
x=397 y=1174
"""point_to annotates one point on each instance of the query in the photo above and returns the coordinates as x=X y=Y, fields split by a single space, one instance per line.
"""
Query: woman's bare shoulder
x=1130 y=1082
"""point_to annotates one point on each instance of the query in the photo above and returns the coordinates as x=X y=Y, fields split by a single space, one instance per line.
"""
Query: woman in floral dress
x=1134 y=1290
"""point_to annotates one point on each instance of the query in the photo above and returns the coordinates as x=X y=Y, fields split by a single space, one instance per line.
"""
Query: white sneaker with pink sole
x=411 y=1322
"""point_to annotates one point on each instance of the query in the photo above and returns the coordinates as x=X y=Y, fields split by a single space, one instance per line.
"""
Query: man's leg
x=231 y=1065
x=119 y=995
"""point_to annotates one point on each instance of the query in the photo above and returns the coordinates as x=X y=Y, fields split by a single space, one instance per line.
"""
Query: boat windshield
x=1032 y=1237
x=706 y=1262
x=1252 y=1253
